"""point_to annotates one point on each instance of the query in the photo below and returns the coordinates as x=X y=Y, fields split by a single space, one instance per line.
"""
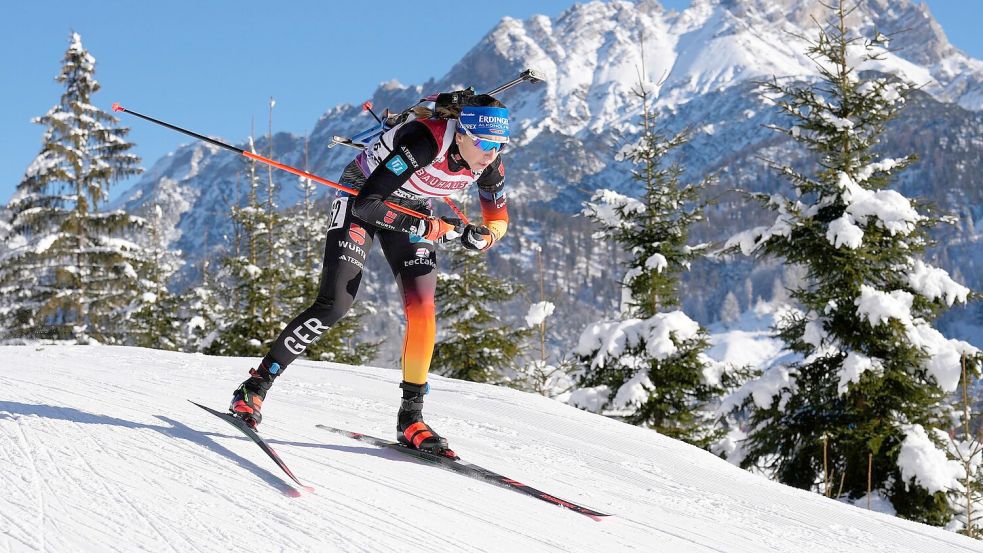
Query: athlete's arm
x=413 y=147
x=491 y=193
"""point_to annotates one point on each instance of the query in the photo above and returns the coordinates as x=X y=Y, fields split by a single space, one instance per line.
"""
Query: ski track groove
x=155 y=452
x=120 y=496
x=395 y=516
x=43 y=484
x=391 y=484
x=21 y=445
x=399 y=485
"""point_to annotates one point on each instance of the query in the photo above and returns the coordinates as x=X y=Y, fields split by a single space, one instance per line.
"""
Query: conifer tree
x=204 y=309
x=76 y=268
x=871 y=371
x=473 y=343
x=964 y=446
x=254 y=273
x=153 y=320
x=648 y=367
x=539 y=373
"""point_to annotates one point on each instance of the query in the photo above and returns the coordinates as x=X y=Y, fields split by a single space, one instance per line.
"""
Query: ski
x=468 y=469
x=252 y=435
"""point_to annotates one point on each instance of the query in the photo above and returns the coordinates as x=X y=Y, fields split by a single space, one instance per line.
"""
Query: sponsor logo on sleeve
x=397 y=165
x=409 y=156
x=357 y=234
x=390 y=217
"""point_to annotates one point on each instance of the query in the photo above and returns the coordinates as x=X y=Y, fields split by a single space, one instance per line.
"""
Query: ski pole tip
x=117 y=107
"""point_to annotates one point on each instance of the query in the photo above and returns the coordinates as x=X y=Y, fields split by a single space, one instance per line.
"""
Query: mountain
x=96 y=458
x=704 y=62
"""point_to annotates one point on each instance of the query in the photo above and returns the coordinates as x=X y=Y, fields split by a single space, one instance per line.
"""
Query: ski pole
x=261 y=159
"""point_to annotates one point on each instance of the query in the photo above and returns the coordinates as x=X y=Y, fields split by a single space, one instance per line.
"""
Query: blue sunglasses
x=484 y=145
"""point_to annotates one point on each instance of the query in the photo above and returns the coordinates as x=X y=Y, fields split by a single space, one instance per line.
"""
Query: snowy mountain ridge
x=590 y=55
x=94 y=461
x=707 y=59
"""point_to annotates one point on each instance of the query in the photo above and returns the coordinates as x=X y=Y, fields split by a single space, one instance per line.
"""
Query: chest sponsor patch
x=397 y=165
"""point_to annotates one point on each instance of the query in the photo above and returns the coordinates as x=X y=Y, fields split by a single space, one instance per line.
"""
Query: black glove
x=476 y=238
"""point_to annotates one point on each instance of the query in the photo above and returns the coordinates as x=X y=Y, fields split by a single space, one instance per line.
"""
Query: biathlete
x=431 y=156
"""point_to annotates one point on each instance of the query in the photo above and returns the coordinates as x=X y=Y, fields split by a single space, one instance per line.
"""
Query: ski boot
x=247 y=400
x=411 y=431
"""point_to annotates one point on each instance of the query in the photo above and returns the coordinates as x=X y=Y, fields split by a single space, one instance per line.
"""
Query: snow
x=935 y=284
x=890 y=209
x=943 y=361
x=657 y=261
x=634 y=392
x=538 y=313
x=609 y=339
x=845 y=232
x=94 y=462
x=853 y=368
x=927 y=464
x=611 y=208
x=877 y=306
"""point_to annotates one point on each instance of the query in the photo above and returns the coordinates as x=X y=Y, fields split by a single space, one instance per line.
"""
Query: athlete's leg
x=414 y=264
x=347 y=244
x=345 y=249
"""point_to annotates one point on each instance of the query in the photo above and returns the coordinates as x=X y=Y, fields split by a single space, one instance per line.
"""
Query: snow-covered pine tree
x=540 y=373
x=871 y=372
x=474 y=343
x=253 y=274
x=153 y=315
x=75 y=267
x=730 y=311
x=964 y=471
x=647 y=366
x=203 y=311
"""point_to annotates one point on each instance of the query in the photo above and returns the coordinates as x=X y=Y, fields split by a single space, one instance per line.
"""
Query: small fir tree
x=203 y=311
x=154 y=313
x=649 y=368
x=254 y=274
x=539 y=373
x=474 y=343
x=871 y=372
x=76 y=268
x=965 y=449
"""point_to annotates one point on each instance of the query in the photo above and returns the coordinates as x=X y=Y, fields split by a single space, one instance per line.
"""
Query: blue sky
x=212 y=65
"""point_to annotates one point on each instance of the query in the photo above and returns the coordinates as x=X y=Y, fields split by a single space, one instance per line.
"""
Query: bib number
x=338 y=210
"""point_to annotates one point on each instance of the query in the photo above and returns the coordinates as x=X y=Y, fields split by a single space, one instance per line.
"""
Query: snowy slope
x=100 y=452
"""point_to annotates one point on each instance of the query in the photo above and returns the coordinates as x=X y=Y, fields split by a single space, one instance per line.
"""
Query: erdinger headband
x=491 y=123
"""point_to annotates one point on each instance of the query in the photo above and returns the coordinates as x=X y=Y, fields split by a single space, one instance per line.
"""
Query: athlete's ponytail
x=448 y=105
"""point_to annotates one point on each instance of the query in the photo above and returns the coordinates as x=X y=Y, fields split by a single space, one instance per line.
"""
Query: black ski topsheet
x=468 y=469
x=252 y=435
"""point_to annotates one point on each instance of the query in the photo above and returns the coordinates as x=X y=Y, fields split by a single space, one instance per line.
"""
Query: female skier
x=423 y=158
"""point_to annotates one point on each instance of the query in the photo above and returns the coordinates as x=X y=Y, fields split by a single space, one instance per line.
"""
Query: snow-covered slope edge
x=101 y=452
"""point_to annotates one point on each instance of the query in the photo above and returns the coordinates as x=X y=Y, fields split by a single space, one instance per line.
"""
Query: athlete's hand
x=476 y=238
x=436 y=229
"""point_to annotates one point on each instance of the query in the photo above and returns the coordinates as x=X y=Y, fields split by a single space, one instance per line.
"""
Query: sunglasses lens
x=488 y=145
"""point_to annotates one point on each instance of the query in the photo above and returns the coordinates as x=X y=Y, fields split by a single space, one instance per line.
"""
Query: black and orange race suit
x=408 y=165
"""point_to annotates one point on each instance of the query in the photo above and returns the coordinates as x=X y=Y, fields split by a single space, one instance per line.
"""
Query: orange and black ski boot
x=411 y=431
x=247 y=400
